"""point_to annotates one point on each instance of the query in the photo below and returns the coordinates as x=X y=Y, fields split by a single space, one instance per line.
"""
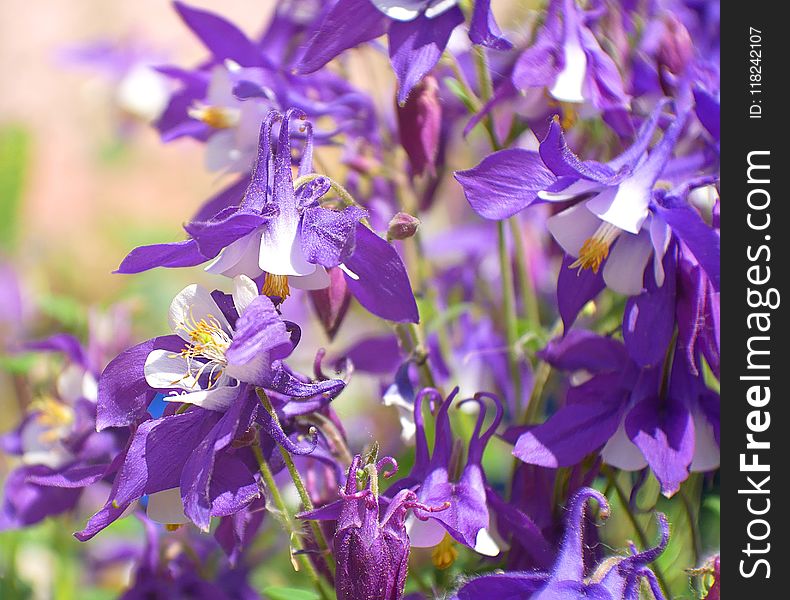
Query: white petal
x=399 y=10
x=424 y=534
x=192 y=304
x=167 y=507
x=574 y=190
x=220 y=150
x=239 y=258
x=569 y=85
x=622 y=453
x=281 y=249
x=438 y=7
x=253 y=371
x=218 y=398
x=706 y=450
x=485 y=544
x=220 y=89
x=165 y=370
x=624 y=205
x=624 y=270
x=348 y=271
x=244 y=292
x=572 y=227
x=38 y=450
x=317 y=280
x=659 y=237
x=70 y=383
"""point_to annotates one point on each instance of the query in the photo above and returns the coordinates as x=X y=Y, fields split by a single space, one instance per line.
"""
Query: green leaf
x=288 y=593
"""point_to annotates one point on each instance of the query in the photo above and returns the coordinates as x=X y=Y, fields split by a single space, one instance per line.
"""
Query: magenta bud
x=402 y=226
x=676 y=48
x=419 y=126
x=331 y=303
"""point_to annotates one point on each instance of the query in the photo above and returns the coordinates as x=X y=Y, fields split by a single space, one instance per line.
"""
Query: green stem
x=320 y=539
x=285 y=516
x=526 y=284
x=509 y=310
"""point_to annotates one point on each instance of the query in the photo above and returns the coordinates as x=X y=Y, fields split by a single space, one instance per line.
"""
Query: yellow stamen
x=569 y=114
x=595 y=249
x=208 y=341
x=53 y=416
x=217 y=117
x=444 y=553
x=172 y=526
x=276 y=286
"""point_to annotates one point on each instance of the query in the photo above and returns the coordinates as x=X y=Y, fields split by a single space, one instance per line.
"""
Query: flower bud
x=676 y=48
x=402 y=226
x=419 y=126
x=331 y=303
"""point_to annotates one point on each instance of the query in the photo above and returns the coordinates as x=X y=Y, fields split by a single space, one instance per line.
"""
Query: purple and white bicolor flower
x=288 y=238
x=222 y=101
x=568 y=62
x=612 y=224
x=194 y=462
x=467 y=518
x=619 y=578
x=418 y=32
x=624 y=411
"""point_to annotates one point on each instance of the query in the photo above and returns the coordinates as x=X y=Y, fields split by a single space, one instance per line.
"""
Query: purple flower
x=371 y=548
x=57 y=442
x=613 y=223
x=568 y=62
x=619 y=578
x=288 y=237
x=223 y=101
x=418 y=32
x=624 y=411
x=195 y=462
x=431 y=478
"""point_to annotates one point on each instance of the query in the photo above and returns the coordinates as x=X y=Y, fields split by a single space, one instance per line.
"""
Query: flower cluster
x=550 y=341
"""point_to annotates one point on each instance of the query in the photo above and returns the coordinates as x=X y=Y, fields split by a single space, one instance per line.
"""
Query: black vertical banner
x=755 y=247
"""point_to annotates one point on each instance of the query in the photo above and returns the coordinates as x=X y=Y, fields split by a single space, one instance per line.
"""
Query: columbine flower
x=57 y=441
x=371 y=548
x=619 y=578
x=194 y=462
x=613 y=225
x=418 y=32
x=286 y=235
x=568 y=62
x=624 y=411
x=222 y=101
x=434 y=482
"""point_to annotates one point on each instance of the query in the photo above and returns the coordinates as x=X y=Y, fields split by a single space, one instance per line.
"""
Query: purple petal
x=513 y=585
x=259 y=329
x=664 y=432
x=328 y=236
x=648 y=321
x=483 y=29
x=572 y=432
x=558 y=157
x=65 y=343
x=173 y=254
x=222 y=38
x=348 y=24
x=575 y=288
x=381 y=283
x=214 y=235
x=581 y=349
x=27 y=503
x=416 y=46
x=505 y=183
x=124 y=395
